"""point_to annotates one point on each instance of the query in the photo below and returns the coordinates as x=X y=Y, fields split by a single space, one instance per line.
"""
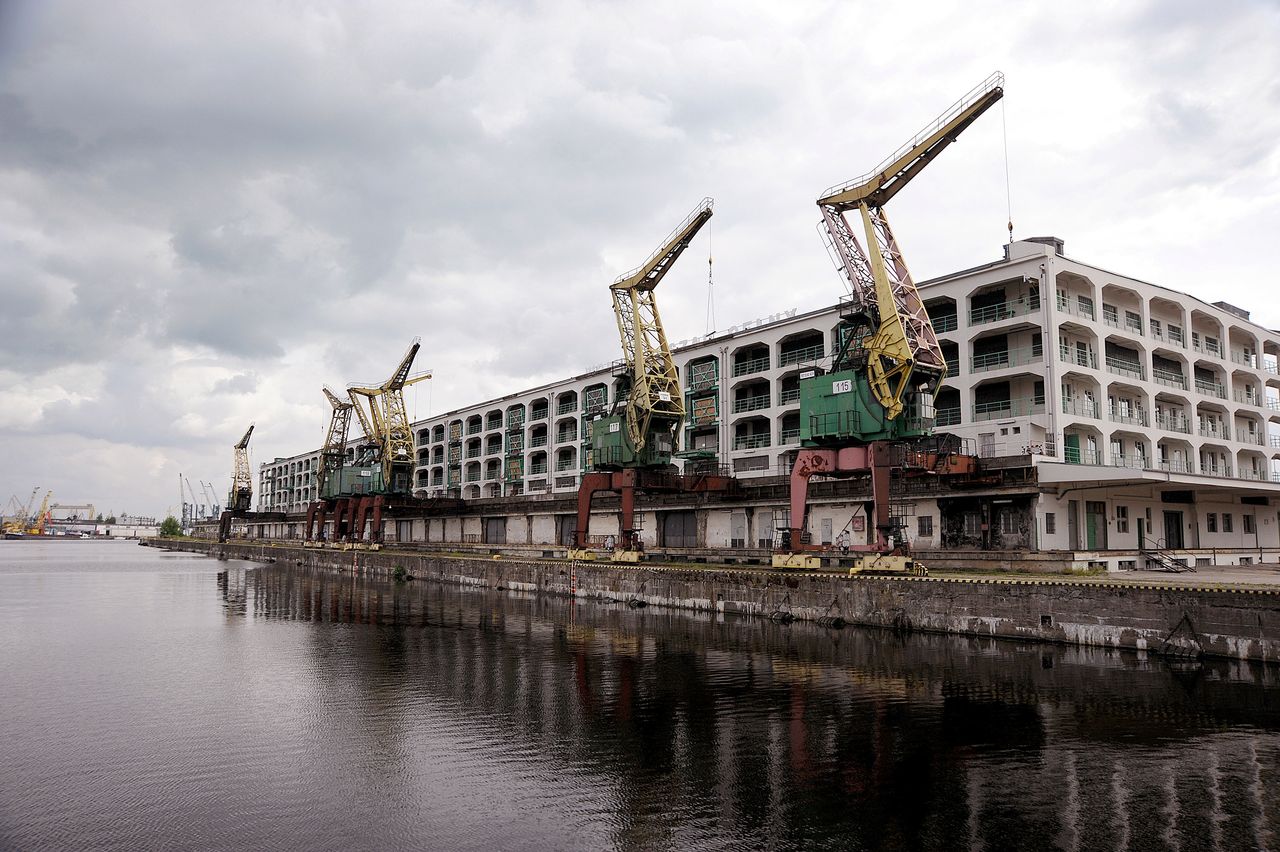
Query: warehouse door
x=738 y=530
x=565 y=527
x=495 y=530
x=679 y=529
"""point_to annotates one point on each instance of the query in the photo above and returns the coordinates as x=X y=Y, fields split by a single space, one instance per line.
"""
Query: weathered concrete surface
x=1181 y=619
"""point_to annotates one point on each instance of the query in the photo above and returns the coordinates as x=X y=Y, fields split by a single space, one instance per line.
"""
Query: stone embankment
x=1183 y=620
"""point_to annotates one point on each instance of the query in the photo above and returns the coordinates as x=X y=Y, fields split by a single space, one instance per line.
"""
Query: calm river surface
x=161 y=701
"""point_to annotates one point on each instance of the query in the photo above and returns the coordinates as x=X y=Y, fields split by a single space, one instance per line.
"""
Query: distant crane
x=888 y=365
x=633 y=447
x=332 y=458
x=240 y=498
x=206 y=488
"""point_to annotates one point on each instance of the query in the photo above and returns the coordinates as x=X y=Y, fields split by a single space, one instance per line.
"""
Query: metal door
x=1071 y=449
x=679 y=529
x=566 y=525
x=495 y=530
x=826 y=530
x=1173 y=530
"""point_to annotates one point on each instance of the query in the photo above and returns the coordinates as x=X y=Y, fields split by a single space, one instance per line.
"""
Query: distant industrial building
x=1112 y=413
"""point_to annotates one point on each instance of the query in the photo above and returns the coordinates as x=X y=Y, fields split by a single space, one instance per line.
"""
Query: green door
x=1095 y=525
x=1071 y=450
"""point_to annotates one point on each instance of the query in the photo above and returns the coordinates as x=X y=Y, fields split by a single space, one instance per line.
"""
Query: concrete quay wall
x=1183 y=620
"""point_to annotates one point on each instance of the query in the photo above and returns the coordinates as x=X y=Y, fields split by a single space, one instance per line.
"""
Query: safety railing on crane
x=703 y=205
x=995 y=81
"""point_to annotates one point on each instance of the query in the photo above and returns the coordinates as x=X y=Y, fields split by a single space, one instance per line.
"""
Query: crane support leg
x=322 y=514
x=591 y=483
x=375 y=533
x=340 y=509
x=311 y=521
x=874 y=459
x=360 y=513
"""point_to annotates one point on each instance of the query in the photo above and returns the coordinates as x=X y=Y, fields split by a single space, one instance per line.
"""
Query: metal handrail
x=703 y=205
x=994 y=81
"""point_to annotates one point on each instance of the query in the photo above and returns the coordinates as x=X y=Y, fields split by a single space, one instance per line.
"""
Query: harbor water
x=153 y=700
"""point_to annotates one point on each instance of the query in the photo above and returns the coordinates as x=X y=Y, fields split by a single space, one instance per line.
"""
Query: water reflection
x=660 y=728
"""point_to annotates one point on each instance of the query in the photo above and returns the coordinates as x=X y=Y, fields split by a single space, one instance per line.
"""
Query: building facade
x=1149 y=417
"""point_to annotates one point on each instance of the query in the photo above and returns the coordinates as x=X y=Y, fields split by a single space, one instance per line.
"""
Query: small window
x=1211 y=522
x=1226 y=522
x=1050 y=523
x=1009 y=523
x=1247 y=521
x=924 y=526
x=1017 y=430
x=1122 y=519
x=972 y=524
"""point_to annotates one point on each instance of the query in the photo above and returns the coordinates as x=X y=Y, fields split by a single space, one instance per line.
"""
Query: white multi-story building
x=1147 y=416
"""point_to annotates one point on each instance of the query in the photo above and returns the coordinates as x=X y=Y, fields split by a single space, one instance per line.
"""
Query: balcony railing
x=1008 y=408
x=953 y=366
x=1244 y=436
x=565 y=437
x=789 y=436
x=1124 y=367
x=1082 y=408
x=788 y=396
x=1173 y=423
x=1134 y=417
x=944 y=323
x=751 y=403
x=1213 y=468
x=754 y=365
x=1004 y=310
x=1087 y=358
x=1207 y=347
x=750 y=442
x=1000 y=360
x=1239 y=356
x=1072 y=305
x=1169 y=378
x=474 y=429
x=1246 y=397
x=1211 y=388
x=1212 y=430
x=474 y=453
x=1273 y=441
x=1136 y=461
x=538 y=468
x=569 y=464
x=948 y=416
x=799 y=356
x=566 y=407
x=539 y=413
x=1076 y=455
x=1177 y=466
x=538 y=441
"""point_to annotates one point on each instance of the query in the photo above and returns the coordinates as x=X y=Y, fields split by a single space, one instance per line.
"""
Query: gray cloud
x=209 y=210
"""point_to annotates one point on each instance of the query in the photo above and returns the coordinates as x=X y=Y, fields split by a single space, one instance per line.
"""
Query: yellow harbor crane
x=632 y=448
x=888 y=365
x=386 y=422
x=332 y=461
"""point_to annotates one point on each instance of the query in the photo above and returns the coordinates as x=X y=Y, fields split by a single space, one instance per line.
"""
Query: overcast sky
x=209 y=210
